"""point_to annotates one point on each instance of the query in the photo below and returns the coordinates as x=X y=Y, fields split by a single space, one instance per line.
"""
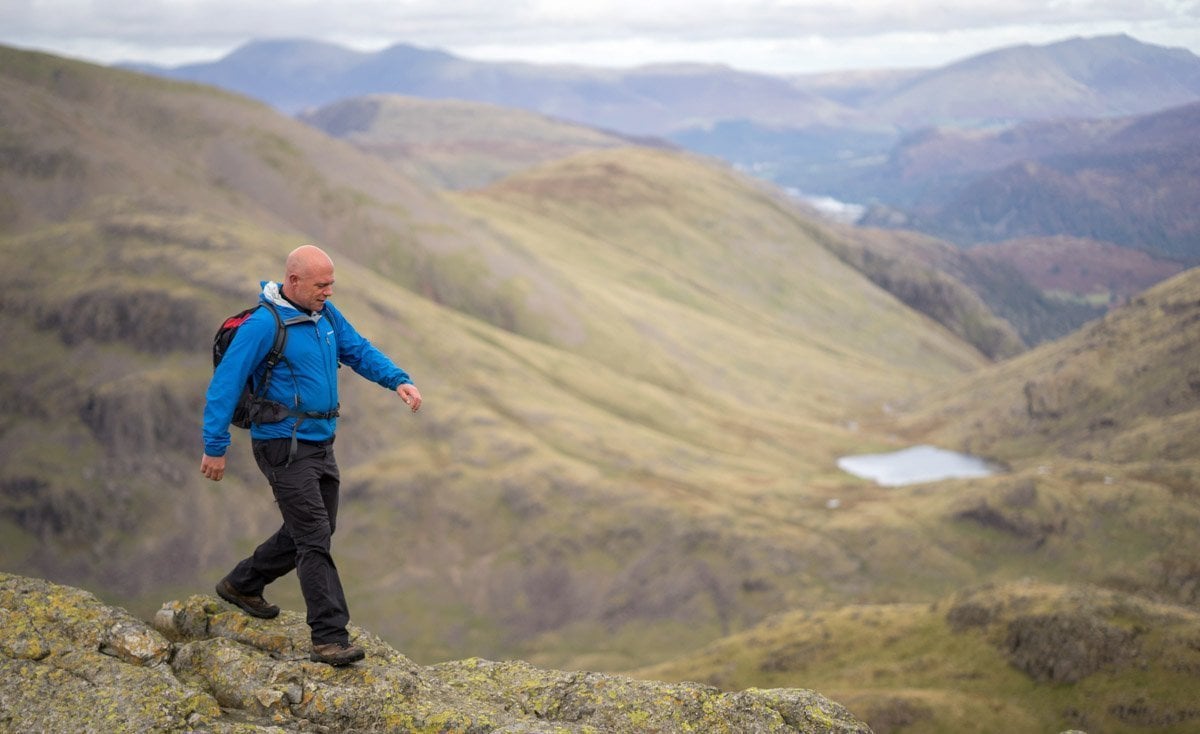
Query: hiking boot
x=255 y=606
x=337 y=653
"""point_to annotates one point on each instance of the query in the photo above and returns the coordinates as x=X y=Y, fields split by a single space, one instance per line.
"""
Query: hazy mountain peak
x=1081 y=77
x=297 y=55
x=403 y=52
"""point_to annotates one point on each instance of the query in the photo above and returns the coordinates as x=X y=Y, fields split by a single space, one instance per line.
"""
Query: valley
x=640 y=368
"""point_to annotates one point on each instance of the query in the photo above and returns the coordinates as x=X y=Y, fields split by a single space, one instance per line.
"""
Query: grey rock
x=68 y=662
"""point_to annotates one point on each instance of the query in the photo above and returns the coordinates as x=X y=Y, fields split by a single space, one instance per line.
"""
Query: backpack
x=251 y=401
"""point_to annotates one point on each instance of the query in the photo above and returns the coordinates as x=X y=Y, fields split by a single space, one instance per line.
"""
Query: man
x=296 y=453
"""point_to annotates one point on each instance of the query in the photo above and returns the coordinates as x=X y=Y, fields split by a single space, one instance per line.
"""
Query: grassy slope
x=935 y=278
x=136 y=213
x=1099 y=433
x=943 y=280
x=656 y=238
x=627 y=418
x=1018 y=657
x=1109 y=413
x=696 y=405
x=453 y=143
x=1123 y=389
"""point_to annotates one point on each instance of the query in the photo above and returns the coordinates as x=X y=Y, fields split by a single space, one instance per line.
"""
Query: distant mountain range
x=1077 y=78
x=456 y=145
x=299 y=75
x=1097 y=77
x=1131 y=181
x=1021 y=141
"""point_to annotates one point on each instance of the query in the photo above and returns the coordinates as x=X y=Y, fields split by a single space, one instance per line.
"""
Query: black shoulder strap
x=276 y=352
x=280 y=337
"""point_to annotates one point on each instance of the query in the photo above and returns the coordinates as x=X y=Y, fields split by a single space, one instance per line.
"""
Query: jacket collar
x=273 y=292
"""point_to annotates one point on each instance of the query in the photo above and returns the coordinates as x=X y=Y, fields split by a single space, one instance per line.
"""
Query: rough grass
x=452 y=143
x=1118 y=390
x=540 y=454
x=955 y=665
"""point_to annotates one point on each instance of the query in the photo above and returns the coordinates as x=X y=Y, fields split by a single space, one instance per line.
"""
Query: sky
x=775 y=36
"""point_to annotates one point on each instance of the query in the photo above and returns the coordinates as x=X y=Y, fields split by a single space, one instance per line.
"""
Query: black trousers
x=306 y=491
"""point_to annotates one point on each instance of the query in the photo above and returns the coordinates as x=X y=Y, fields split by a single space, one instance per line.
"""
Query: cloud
x=622 y=32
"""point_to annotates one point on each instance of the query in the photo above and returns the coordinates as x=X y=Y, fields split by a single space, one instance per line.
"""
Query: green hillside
x=1088 y=541
x=462 y=145
x=454 y=144
x=1124 y=389
x=639 y=369
x=937 y=279
x=1110 y=414
x=1022 y=657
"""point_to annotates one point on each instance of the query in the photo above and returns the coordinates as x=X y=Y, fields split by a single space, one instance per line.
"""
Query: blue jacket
x=306 y=377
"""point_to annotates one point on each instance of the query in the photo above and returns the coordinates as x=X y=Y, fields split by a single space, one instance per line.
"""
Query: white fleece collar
x=274 y=293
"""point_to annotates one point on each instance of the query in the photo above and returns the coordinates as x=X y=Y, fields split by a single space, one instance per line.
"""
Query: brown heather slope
x=992 y=301
x=83 y=142
x=1134 y=185
x=1025 y=656
x=638 y=367
x=1073 y=268
x=452 y=143
x=937 y=279
x=1124 y=389
x=461 y=145
x=1098 y=432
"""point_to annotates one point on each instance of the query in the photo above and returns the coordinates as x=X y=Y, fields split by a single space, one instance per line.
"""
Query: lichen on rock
x=70 y=663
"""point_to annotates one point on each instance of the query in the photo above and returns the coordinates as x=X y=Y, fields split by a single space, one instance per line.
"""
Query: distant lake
x=915 y=465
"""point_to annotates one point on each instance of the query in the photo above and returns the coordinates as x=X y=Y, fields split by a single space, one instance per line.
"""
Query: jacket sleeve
x=360 y=355
x=247 y=350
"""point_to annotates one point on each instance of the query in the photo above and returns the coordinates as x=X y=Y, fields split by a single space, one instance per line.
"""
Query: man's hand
x=411 y=396
x=213 y=467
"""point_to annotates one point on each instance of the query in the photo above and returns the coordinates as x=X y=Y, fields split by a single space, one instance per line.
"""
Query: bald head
x=308 y=277
x=306 y=258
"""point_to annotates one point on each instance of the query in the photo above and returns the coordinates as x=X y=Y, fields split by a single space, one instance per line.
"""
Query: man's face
x=310 y=288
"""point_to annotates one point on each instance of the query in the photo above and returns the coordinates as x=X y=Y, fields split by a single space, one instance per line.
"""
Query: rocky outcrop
x=1056 y=636
x=1066 y=647
x=68 y=662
